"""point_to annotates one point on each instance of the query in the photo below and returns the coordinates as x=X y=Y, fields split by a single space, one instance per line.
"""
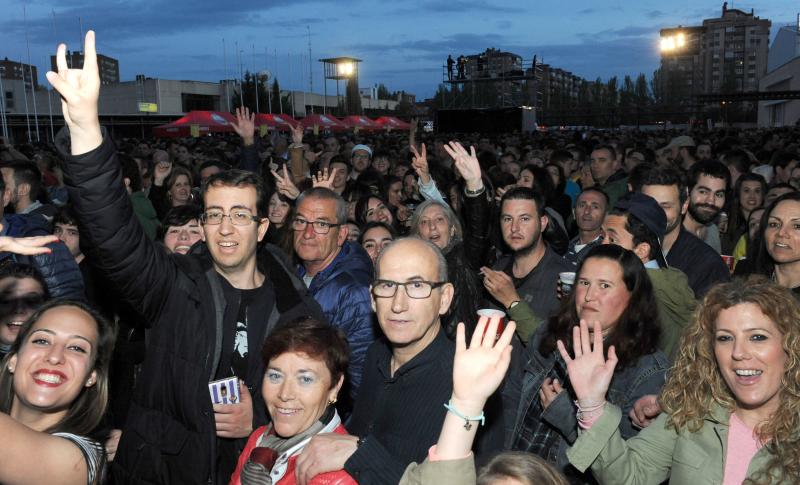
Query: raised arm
x=114 y=240
x=477 y=373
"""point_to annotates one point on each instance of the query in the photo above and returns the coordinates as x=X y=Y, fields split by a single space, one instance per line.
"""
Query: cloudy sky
x=403 y=43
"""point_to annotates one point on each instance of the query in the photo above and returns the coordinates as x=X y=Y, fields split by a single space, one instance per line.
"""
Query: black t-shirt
x=243 y=314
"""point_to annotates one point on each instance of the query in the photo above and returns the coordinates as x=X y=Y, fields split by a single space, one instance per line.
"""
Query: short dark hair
x=213 y=163
x=560 y=156
x=738 y=159
x=374 y=224
x=782 y=159
x=241 y=179
x=597 y=190
x=178 y=216
x=611 y=150
x=317 y=340
x=524 y=193
x=65 y=215
x=26 y=172
x=638 y=330
x=131 y=171
x=11 y=269
x=647 y=174
x=712 y=168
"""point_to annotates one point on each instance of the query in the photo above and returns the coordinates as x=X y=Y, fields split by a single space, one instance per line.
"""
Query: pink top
x=743 y=445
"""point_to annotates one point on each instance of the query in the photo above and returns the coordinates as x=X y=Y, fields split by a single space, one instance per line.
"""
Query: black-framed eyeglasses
x=417 y=289
x=320 y=227
x=238 y=217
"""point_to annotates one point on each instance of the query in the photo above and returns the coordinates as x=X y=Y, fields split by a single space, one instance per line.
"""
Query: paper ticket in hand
x=225 y=391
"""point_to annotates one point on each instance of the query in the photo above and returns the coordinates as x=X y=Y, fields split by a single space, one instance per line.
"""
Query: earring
x=11 y=369
x=89 y=382
x=332 y=401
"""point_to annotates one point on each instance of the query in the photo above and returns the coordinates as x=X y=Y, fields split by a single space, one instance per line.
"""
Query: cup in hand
x=491 y=313
x=567 y=281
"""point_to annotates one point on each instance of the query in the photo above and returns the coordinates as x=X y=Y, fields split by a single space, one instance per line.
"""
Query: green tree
x=383 y=92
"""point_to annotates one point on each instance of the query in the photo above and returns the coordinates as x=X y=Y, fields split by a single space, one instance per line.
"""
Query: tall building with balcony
x=108 y=66
x=723 y=55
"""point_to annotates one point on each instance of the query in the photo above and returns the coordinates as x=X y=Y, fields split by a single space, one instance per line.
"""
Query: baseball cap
x=362 y=147
x=646 y=209
x=681 y=141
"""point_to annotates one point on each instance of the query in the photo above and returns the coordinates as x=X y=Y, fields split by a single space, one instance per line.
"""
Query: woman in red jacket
x=306 y=362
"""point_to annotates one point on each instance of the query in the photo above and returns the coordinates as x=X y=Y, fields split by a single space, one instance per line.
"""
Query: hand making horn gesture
x=79 y=90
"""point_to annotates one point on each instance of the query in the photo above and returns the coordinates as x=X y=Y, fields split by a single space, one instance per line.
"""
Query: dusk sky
x=402 y=44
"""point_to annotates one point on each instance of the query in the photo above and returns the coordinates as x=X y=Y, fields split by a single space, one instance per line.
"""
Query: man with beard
x=530 y=273
x=708 y=186
x=682 y=250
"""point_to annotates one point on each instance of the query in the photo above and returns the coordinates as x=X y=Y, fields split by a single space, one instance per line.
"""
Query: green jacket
x=676 y=305
x=444 y=472
x=146 y=214
x=615 y=187
x=658 y=453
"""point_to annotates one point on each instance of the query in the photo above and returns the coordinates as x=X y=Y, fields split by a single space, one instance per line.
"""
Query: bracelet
x=467 y=425
x=474 y=193
x=296 y=145
x=589 y=411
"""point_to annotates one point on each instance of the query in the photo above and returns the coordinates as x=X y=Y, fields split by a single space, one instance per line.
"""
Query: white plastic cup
x=567 y=281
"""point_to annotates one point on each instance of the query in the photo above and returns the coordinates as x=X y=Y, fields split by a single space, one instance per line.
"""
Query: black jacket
x=169 y=436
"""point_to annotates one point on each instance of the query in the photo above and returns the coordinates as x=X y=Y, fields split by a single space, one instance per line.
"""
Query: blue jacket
x=646 y=376
x=342 y=290
x=60 y=271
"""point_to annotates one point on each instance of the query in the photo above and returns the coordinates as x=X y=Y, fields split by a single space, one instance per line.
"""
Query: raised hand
x=479 y=369
x=160 y=172
x=589 y=372
x=323 y=179
x=245 y=125
x=285 y=185
x=28 y=246
x=420 y=164
x=79 y=90
x=466 y=164
x=297 y=134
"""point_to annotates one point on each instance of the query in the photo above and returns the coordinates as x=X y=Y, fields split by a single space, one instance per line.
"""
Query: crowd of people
x=646 y=326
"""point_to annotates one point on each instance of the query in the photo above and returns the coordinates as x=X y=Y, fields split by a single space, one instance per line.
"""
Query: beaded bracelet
x=467 y=425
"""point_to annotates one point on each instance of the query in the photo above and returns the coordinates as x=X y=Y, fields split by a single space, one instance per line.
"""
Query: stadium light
x=672 y=43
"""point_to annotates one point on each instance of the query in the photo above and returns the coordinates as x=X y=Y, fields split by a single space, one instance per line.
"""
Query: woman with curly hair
x=732 y=400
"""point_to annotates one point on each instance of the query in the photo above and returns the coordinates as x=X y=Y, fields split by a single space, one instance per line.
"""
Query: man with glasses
x=407 y=374
x=337 y=272
x=360 y=160
x=205 y=309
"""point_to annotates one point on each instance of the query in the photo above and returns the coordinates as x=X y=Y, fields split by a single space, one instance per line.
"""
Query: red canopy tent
x=208 y=121
x=276 y=121
x=392 y=122
x=361 y=122
x=325 y=122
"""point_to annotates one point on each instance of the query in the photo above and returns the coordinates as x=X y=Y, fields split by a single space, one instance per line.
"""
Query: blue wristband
x=467 y=425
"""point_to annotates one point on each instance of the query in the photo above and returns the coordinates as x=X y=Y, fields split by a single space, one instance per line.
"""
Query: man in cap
x=637 y=223
x=682 y=151
x=360 y=159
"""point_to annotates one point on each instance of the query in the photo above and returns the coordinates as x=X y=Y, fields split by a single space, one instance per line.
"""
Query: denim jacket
x=646 y=376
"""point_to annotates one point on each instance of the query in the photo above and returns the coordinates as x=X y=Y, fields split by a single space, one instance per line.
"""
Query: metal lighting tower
x=337 y=68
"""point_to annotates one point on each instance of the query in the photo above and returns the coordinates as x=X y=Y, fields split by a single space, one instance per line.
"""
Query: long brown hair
x=637 y=331
x=87 y=410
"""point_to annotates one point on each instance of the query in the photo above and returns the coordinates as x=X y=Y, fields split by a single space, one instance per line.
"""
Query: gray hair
x=452 y=218
x=323 y=193
x=441 y=262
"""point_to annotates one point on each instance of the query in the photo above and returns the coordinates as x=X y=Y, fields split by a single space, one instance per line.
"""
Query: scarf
x=271 y=447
